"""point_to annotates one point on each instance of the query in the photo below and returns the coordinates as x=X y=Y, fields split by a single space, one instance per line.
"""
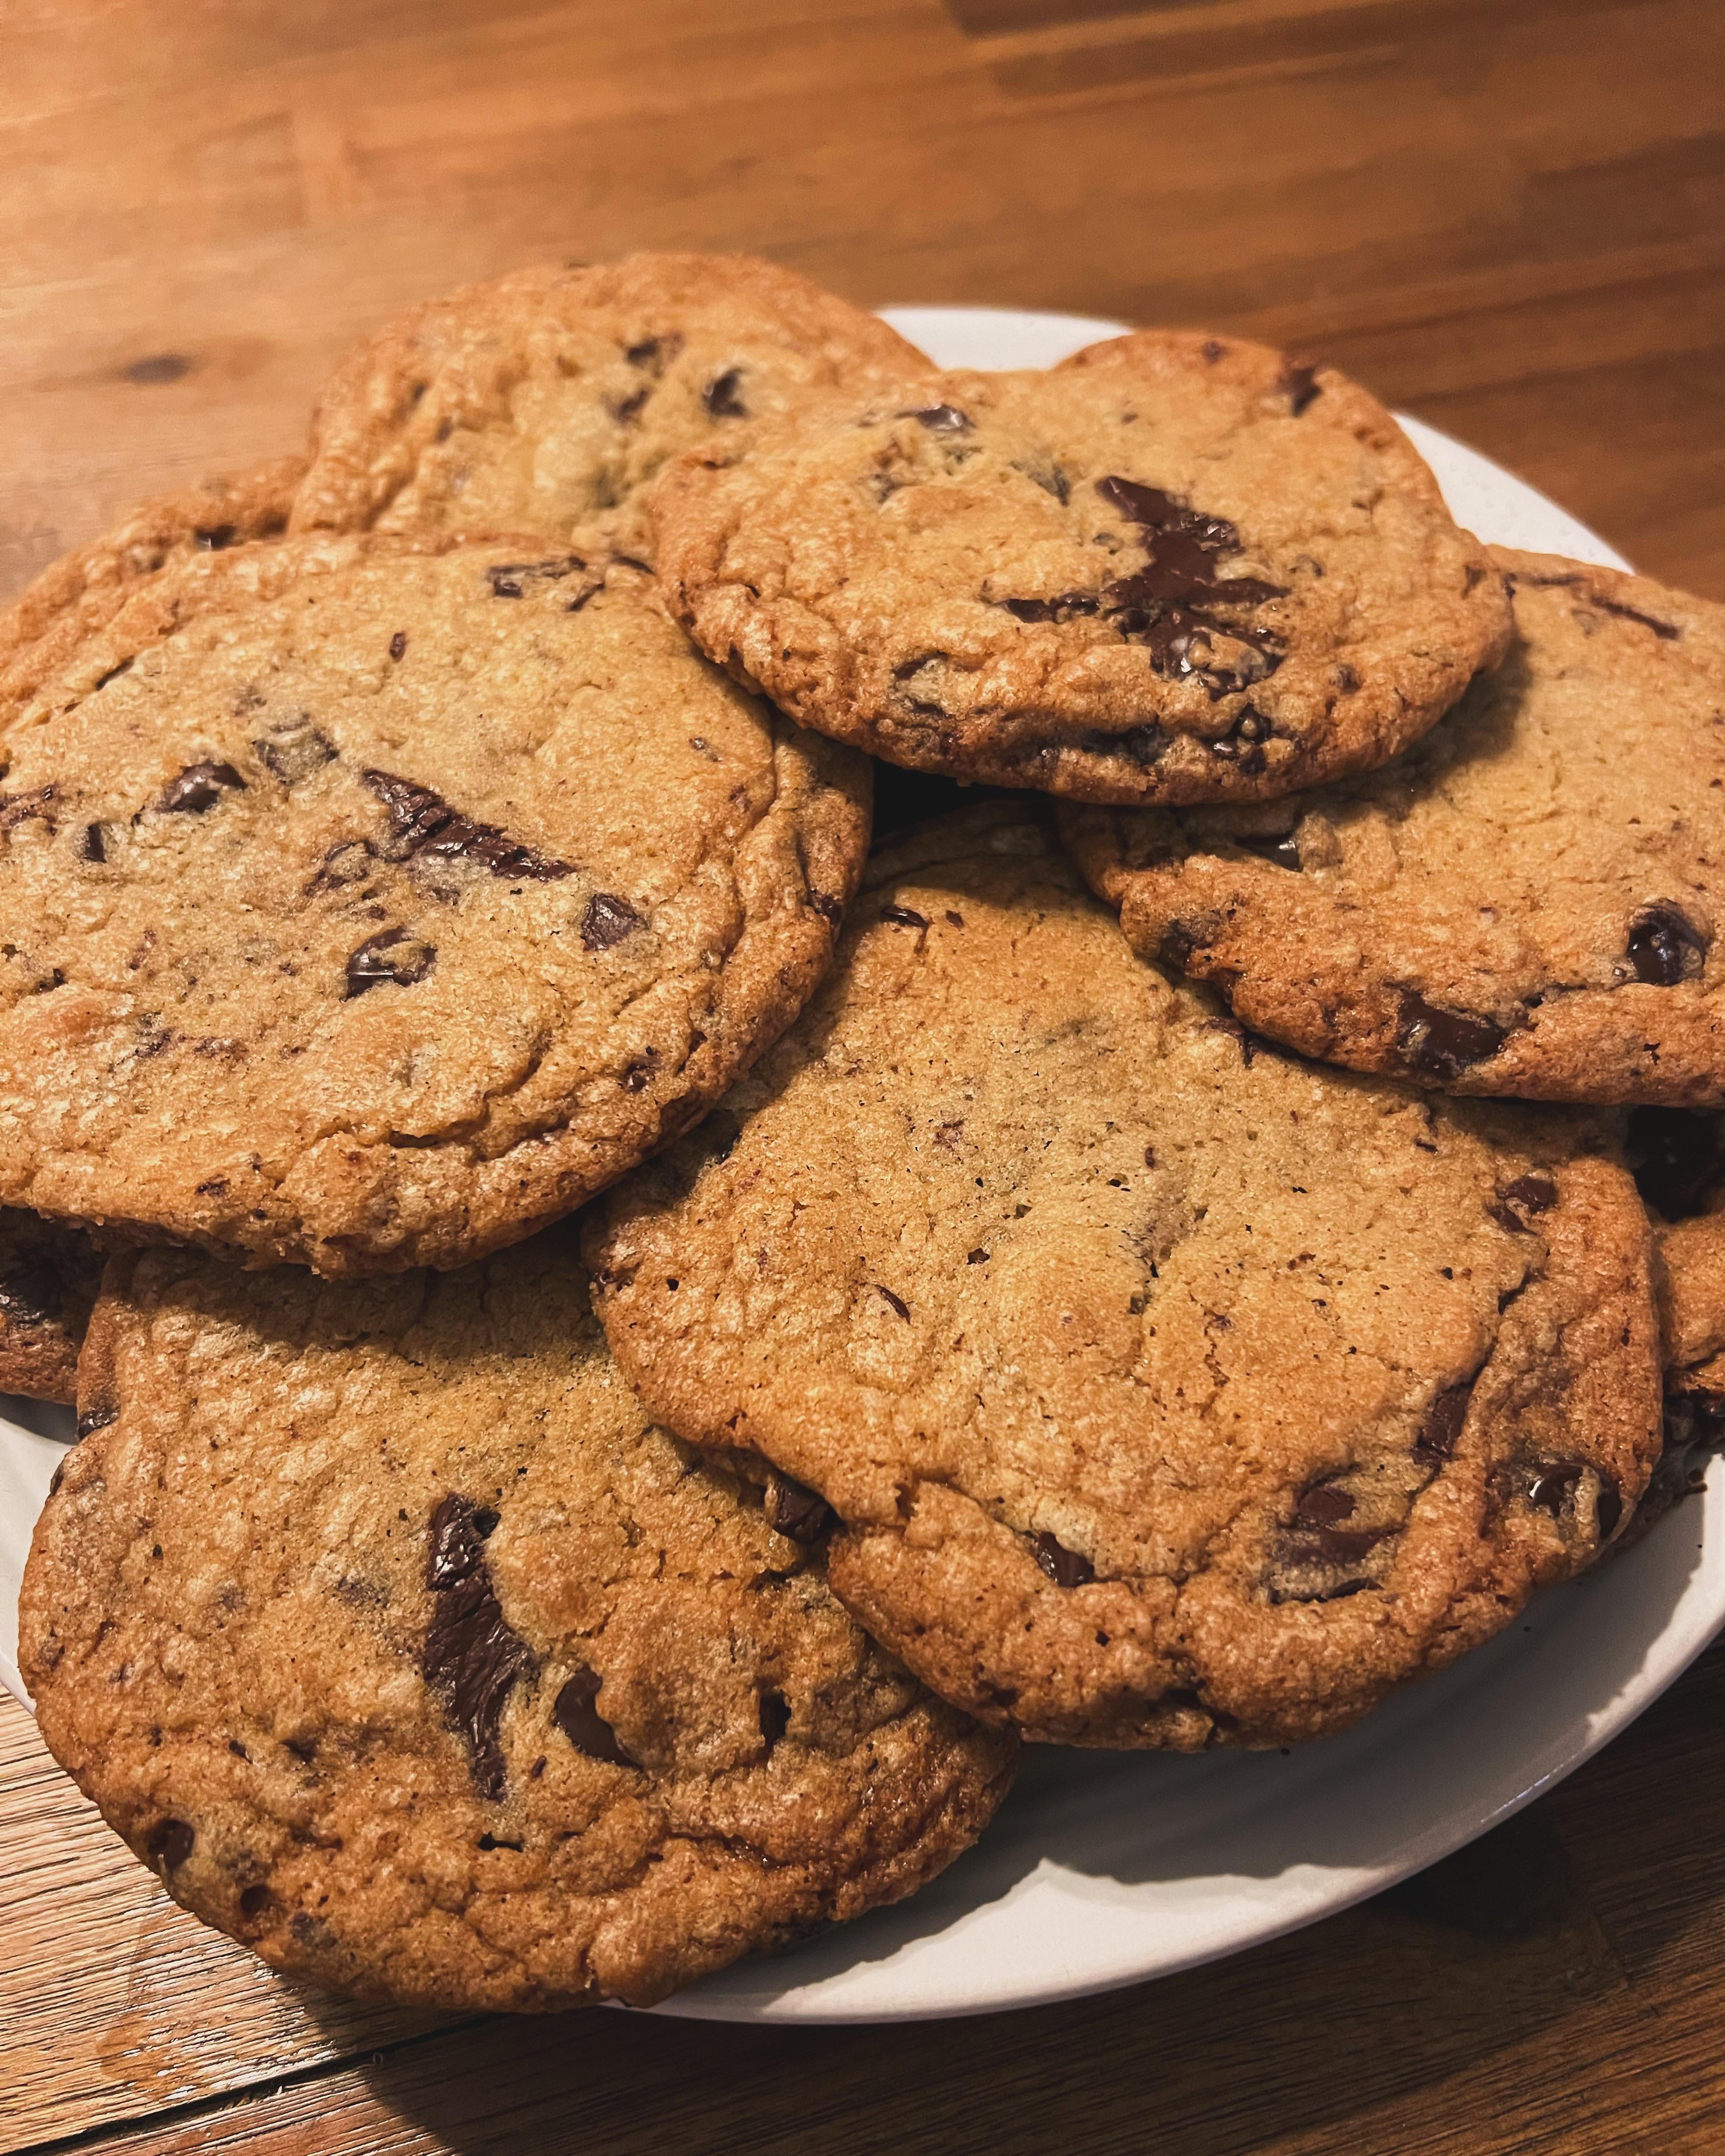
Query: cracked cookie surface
x=370 y=907
x=547 y=399
x=1527 y=903
x=78 y=595
x=384 y=1628
x=1168 y=1389
x=48 y=1275
x=1175 y=568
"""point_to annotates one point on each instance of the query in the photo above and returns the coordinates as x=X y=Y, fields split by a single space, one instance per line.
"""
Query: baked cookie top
x=1526 y=903
x=370 y=906
x=80 y=594
x=383 y=1625
x=1168 y=1390
x=48 y=1282
x=1176 y=568
x=546 y=399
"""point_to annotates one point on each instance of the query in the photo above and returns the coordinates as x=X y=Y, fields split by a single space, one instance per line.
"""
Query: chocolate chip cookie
x=48 y=1282
x=383 y=1626
x=547 y=399
x=1527 y=903
x=1168 y=1390
x=370 y=906
x=80 y=594
x=1177 y=569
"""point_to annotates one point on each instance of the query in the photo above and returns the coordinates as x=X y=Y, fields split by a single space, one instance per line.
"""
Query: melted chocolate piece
x=1065 y=1568
x=940 y=418
x=424 y=826
x=1169 y=604
x=1665 y=946
x=905 y=916
x=581 y=1721
x=199 y=787
x=1694 y=1431
x=722 y=398
x=1323 y=1505
x=392 y=955
x=293 y=753
x=1285 y=852
x=169 y=1845
x=1532 y=1194
x=798 y=1511
x=607 y=920
x=1678 y=1151
x=1441 y=1044
x=1301 y=384
x=1066 y=607
x=887 y=1296
x=1442 y=1426
x=399 y=644
x=91 y=1419
x=470 y=1654
x=1244 y=741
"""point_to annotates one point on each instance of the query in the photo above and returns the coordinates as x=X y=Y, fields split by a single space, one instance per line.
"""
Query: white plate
x=1105 y=1869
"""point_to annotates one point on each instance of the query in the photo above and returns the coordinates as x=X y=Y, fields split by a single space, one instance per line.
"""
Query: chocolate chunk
x=1608 y=1506
x=294 y=752
x=399 y=644
x=1169 y=604
x=887 y=1296
x=1244 y=741
x=254 y=1902
x=1066 y=607
x=905 y=915
x=1323 y=1505
x=1694 y=1432
x=1676 y=1152
x=1531 y=1194
x=581 y=1721
x=509 y=580
x=1065 y=1568
x=1443 y=1424
x=798 y=1511
x=978 y=1257
x=92 y=846
x=169 y=1845
x=721 y=395
x=424 y=827
x=775 y=1714
x=607 y=920
x=1666 y=631
x=392 y=955
x=826 y=905
x=470 y=1654
x=1441 y=1044
x=36 y=804
x=93 y=1419
x=940 y=418
x=1300 y=385
x=199 y=787
x=1348 y=1545
x=1665 y=946
x=1284 y=852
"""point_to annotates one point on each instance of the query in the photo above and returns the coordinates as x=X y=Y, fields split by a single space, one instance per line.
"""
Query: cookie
x=77 y=596
x=369 y=907
x=1175 y=569
x=547 y=399
x=383 y=1625
x=1527 y=903
x=1168 y=1390
x=48 y=1282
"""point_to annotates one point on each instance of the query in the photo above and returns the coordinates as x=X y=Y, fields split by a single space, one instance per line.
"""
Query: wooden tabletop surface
x=1507 y=216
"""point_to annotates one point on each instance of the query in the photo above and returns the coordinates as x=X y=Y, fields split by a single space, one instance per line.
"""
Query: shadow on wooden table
x=1510 y=1985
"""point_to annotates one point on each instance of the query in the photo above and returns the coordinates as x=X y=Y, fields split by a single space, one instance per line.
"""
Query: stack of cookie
x=639 y=1345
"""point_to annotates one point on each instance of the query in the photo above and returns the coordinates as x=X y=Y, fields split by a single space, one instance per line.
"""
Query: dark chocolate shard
x=608 y=920
x=1676 y=1156
x=905 y=916
x=798 y=1511
x=1065 y=1568
x=940 y=418
x=92 y=846
x=199 y=787
x=1443 y=1425
x=1664 y=946
x=722 y=395
x=893 y=1303
x=577 y=1715
x=1439 y=1044
x=424 y=827
x=392 y=955
x=1170 y=604
x=470 y=1654
x=1300 y=385
x=97 y=1417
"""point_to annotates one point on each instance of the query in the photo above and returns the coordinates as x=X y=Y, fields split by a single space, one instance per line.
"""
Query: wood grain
x=1506 y=215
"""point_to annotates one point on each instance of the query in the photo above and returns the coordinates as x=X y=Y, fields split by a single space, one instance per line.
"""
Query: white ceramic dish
x=1104 y=1869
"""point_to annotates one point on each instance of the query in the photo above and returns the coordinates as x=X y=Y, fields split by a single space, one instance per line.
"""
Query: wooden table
x=1506 y=215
